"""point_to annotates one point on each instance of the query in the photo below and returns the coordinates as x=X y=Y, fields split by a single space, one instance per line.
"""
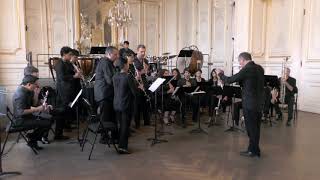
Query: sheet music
x=200 y=92
x=154 y=86
x=75 y=99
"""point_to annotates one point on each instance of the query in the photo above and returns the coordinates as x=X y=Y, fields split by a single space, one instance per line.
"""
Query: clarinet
x=82 y=80
x=45 y=99
x=140 y=83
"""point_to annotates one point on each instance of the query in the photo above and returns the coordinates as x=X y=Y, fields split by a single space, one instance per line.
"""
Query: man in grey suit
x=251 y=77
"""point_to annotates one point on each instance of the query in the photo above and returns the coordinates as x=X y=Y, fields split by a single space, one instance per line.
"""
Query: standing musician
x=186 y=81
x=252 y=77
x=124 y=92
x=103 y=88
x=66 y=89
x=74 y=60
x=125 y=49
x=141 y=101
x=169 y=103
x=290 y=90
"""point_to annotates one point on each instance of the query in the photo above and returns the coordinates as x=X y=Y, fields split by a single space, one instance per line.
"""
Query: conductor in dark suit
x=252 y=77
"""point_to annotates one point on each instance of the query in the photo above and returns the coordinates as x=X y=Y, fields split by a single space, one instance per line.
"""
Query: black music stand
x=75 y=103
x=182 y=92
x=198 y=129
x=214 y=90
x=234 y=92
x=2 y=173
x=154 y=88
x=271 y=81
x=98 y=50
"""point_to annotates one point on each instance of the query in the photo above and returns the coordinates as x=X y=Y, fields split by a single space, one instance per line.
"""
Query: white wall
x=12 y=43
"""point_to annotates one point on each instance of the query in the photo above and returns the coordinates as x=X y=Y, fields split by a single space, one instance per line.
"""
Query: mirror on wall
x=94 y=27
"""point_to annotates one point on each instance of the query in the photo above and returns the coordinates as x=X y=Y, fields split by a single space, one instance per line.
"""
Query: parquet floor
x=287 y=153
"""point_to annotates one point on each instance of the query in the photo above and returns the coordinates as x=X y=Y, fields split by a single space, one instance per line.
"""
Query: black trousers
x=141 y=106
x=253 y=122
x=40 y=125
x=236 y=112
x=59 y=117
x=124 y=121
x=107 y=114
x=290 y=102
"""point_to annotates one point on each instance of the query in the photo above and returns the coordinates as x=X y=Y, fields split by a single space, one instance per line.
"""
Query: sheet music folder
x=75 y=99
x=155 y=85
x=185 y=53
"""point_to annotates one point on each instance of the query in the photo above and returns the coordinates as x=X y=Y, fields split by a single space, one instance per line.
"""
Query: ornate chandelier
x=120 y=14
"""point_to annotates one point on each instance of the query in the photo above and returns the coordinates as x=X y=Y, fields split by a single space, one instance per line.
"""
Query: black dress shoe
x=279 y=117
x=123 y=151
x=61 y=138
x=288 y=123
x=34 y=145
x=249 y=154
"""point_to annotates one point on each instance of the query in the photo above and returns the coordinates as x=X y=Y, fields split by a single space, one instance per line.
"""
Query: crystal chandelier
x=120 y=14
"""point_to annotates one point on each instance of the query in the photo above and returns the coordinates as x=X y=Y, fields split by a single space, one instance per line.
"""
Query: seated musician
x=124 y=92
x=290 y=90
x=212 y=98
x=177 y=76
x=186 y=81
x=54 y=113
x=225 y=98
x=24 y=111
x=199 y=79
x=169 y=103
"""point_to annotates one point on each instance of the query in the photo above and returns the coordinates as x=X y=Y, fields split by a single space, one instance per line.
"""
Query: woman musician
x=169 y=103
x=217 y=99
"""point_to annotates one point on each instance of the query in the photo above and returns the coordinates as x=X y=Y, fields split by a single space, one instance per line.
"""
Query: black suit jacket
x=66 y=88
x=124 y=92
x=252 y=78
x=103 y=87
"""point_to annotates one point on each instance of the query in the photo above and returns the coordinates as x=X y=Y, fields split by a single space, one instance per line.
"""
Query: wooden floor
x=287 y=153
